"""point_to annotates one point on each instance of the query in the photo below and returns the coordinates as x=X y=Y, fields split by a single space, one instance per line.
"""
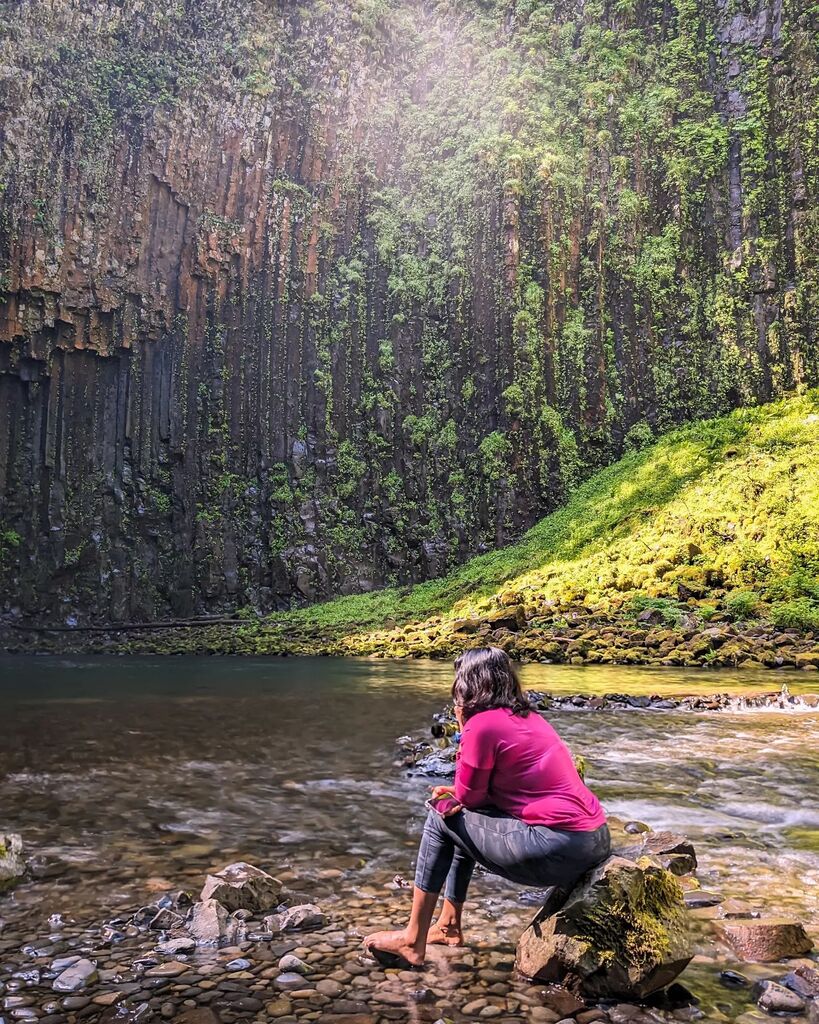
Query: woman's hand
x=446 y=793
x=454 y=809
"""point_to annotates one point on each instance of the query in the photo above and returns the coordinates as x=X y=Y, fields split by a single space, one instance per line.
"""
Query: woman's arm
x=472 y=785
x=476 y=760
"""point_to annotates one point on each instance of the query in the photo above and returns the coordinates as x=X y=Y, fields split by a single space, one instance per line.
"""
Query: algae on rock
x=622 y=933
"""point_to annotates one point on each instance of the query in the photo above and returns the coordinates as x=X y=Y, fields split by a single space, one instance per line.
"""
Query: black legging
x=534 y=855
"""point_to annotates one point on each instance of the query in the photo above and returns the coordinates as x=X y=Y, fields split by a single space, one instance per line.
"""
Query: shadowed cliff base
x=701 y=549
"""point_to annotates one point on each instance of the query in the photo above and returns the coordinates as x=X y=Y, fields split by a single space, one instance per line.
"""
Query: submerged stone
x=764 y=939
x=76 y=977
x=775 y=998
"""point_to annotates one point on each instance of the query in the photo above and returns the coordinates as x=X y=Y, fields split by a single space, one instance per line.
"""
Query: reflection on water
x=126 y=769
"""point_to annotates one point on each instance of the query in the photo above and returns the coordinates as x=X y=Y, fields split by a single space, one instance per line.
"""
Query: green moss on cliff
x=722 y=514
x=501 y=244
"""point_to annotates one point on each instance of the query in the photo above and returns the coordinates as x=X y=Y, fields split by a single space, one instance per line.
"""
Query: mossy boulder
x=621 y=934
x=511 y=618
x=12 y=863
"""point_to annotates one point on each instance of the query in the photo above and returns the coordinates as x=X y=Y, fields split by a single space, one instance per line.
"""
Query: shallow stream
x=119 y=771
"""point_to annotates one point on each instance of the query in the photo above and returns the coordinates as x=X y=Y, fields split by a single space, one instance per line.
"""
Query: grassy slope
x=719 y=519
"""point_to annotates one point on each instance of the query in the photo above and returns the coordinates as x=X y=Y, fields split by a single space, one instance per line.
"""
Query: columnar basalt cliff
x=302 y=300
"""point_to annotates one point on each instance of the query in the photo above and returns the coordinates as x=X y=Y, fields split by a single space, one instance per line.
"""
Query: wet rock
x=635 y=827
x=278 y=1008
x=561 y=1001
x=621 y=932
x=209 y=923
x=775 y=998
x=698 y=898
x=289 y=980
x=241 y=886
x=239 y=964
x=737 y=908
x=591 y=1016
x=733 y=979
x=299 y=918
x=12 y=863
x=329 y=987
x=166 y=919
x=764 y=939
x=76 y=977
x=292 y=963
x=171 y=969
x=804 y=981
x=141 y=1014
x=199 y=1015
x=183 y=944
x=673 y=851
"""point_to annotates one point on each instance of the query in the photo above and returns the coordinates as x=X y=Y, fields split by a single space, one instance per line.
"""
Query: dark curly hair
x=484 y=679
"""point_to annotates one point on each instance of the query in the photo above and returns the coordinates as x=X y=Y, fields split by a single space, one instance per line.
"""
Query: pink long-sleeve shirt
x=520 y=765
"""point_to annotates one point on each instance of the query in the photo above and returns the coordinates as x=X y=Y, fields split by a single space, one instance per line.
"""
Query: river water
x=122 y=771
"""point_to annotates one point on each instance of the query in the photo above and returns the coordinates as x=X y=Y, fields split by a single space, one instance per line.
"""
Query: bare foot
x=445 y=935
x=395 y=942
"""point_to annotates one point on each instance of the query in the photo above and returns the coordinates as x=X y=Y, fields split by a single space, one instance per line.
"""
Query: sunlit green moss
x=730 y=503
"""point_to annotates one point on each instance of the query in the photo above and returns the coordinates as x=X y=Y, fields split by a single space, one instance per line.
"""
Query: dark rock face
x=621 y=933
x=275 y=325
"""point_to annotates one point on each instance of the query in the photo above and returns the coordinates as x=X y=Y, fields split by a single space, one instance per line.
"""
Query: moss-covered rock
x=622 y=933
x=12 y=863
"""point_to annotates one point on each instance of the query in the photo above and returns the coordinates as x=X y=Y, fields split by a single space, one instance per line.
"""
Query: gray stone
x=621 y=933
x=239 y=964
x=211 y=925
x=242 y=886
x=183 y=944
x=300 y=918
x=289 y=962
x=76 y=977
x=775 y=998
x=288 y=980
x=673 y=851
x=804 y=981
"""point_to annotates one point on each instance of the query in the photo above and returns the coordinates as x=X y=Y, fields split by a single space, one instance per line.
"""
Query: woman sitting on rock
x=518 y=807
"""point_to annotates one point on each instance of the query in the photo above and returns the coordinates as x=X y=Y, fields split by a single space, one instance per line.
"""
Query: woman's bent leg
x=435 y=859
x=436 y=855
x=448 y=929
x=527 y=854
x=459 y=877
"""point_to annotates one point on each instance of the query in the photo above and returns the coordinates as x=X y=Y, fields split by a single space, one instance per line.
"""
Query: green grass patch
x=725 y=509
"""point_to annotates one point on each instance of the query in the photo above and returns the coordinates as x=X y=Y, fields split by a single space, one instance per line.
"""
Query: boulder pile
x=236 y=899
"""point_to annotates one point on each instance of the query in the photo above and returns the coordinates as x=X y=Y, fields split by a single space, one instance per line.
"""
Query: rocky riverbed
x=129 y=793
x=261 y=959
